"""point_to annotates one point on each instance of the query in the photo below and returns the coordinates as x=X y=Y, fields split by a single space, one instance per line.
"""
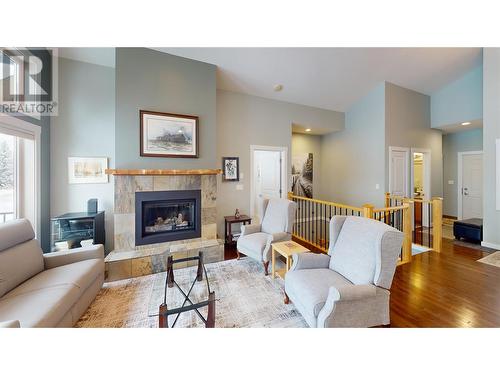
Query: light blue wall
x=471 y=140
x=156 y=81
x=354 y=158
x=461 y=100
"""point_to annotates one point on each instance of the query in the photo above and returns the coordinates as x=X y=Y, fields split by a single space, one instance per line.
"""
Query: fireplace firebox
x=163 y=216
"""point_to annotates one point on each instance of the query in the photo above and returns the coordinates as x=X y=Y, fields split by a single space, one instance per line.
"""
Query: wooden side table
x=229 y=236
x=287 y=249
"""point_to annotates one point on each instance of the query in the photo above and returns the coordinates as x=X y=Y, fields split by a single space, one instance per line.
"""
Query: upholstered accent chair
x=255 y=240
x=349 y=287
x=45 y=290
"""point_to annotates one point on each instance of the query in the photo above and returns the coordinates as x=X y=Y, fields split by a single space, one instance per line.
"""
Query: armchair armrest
x=280 y=236
x=303 y=261
x=10 y=324
x=64 y=257
x=351 y=292
x=249 y=229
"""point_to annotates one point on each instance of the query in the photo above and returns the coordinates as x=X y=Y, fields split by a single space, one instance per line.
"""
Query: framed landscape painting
x=83 y=170
x=168 y=135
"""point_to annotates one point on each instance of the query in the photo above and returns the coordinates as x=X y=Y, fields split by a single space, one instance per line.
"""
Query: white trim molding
x=490 y=245
x=460 y=156
x=24 y=129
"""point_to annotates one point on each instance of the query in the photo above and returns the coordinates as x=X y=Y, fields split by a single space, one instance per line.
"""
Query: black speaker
x=92 y=205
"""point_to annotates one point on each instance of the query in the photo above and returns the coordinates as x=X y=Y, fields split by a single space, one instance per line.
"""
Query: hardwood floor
x=447 y=289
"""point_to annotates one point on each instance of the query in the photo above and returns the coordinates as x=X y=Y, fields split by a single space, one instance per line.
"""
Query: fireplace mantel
x=162 y=172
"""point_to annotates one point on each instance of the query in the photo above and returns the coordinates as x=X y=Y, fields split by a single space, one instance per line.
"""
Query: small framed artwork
x=231 y=168
x=87 y=170
x=167 y=135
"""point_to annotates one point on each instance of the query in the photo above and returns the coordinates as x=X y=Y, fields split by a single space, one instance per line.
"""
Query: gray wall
x=408 y=124
x=353 y=159
x=244 y=120
x=305 y=144
x=155 y=81
x=491 y=131
x=85 y=127
x=470 y=140
x=459 y=101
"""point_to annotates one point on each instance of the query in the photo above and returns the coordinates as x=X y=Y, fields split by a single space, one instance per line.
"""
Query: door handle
x=465 y=191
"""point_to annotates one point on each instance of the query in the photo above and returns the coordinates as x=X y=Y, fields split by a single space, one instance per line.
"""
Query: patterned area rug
x=492 y=259
x=245 y=298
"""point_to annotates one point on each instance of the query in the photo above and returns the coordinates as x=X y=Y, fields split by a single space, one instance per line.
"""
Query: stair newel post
x=437 y=223
x=406 y=253
x=368 y=210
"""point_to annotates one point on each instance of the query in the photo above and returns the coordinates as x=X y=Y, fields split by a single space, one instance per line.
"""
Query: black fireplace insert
x=162 y=216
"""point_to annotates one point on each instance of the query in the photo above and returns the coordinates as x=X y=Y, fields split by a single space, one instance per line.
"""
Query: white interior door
x=471 y=193
x=267 y=176
x=398 y=171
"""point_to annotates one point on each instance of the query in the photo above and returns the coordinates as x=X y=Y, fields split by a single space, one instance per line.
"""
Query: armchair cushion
x=249 y=229
x=254 y=244
x=357 y=251
x=64 y=257
x=10 y=324
x=309 y=261
x=309 y=288
x=279 y=216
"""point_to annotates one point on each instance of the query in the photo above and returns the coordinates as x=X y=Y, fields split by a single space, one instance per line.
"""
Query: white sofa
x=45 y=290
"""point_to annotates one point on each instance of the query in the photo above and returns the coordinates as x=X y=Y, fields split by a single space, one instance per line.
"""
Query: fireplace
x=163 y=216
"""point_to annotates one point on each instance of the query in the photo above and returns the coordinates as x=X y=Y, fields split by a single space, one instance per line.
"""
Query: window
x=18 y=173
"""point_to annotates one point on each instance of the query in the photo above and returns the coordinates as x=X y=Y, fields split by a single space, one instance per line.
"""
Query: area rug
x=245 y=298
x=492 y=259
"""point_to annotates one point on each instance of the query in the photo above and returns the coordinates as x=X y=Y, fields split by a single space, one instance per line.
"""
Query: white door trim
x=460 y=156
x=15 y=124
x=407 y=166
x=284 y=171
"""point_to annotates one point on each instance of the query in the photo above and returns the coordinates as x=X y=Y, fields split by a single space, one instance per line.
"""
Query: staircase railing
x=426 y=219
x=312 y=218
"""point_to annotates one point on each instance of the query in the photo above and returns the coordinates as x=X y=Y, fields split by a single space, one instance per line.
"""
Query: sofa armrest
x=249 y=229
x=61 y=258
x=303 y=261
x=352 y=292
x=10 y=324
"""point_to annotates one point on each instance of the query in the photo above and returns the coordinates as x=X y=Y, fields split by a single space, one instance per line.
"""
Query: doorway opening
x=268 y=177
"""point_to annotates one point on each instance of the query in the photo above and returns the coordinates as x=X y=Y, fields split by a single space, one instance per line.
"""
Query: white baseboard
x=490 y=245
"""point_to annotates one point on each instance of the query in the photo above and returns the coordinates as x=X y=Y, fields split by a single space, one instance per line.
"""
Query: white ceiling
x=456 y=128
x=332 y=78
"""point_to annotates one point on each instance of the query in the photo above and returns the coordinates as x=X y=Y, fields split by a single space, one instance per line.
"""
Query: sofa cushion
x=18 y=264
x=354 y=254
x=80 y=275
x=40 y=307
x=309 y=287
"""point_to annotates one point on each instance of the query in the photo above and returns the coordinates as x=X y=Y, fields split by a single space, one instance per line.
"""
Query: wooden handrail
x=333 y=204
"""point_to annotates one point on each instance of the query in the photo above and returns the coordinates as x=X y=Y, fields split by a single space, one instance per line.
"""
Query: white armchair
x=277 y=221
x=349 y=287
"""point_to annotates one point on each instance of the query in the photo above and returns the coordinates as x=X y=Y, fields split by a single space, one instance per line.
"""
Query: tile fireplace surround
x=129 y=260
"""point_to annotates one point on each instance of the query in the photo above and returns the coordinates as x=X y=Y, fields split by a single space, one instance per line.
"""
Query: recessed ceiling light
x=308 y=130
x=465 y=123
x=278 y=88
